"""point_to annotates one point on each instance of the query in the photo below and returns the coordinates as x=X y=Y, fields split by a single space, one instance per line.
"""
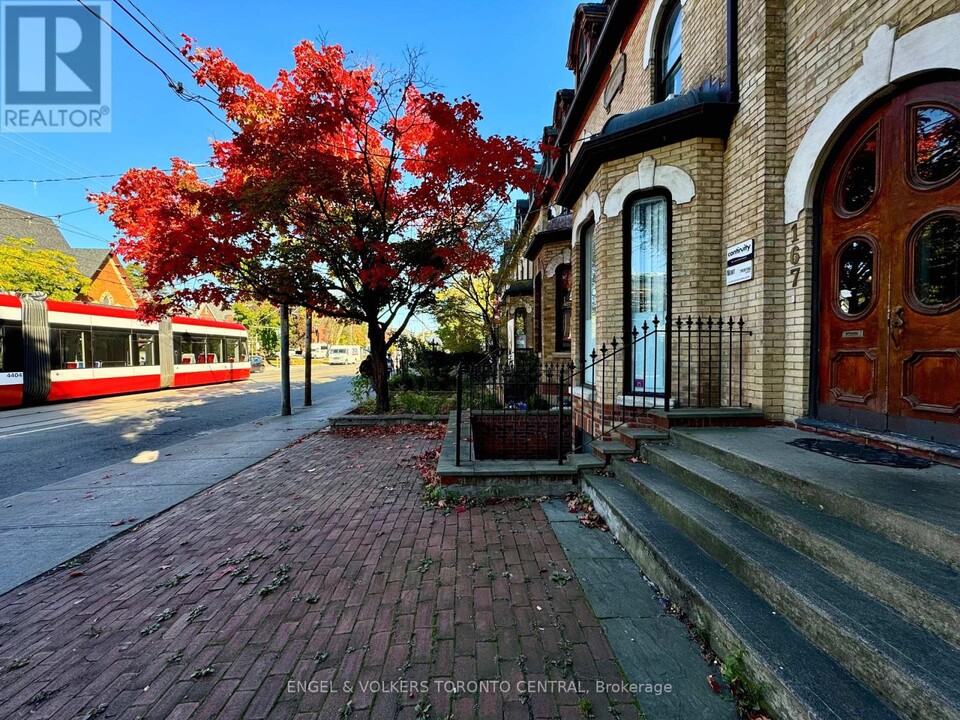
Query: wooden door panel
x=931 y=382
x=925 y=352
x=897 y=357
x=853 y=377
x=852 y=333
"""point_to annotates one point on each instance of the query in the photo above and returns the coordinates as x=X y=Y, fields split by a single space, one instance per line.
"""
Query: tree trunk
x=285 y=360
x=308 y=361
x=378 y=357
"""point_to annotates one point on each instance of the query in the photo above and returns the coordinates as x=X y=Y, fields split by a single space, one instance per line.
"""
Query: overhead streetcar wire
x=55 y=180
x=50 y=156
x=176 y=55
x=175 y=85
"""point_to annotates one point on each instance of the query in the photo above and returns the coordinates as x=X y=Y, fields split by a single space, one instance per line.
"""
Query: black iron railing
x=532 y=410
x=608 y=402
x=517 y=409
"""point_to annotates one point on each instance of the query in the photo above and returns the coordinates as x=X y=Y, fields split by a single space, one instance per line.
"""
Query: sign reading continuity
x=740 y=262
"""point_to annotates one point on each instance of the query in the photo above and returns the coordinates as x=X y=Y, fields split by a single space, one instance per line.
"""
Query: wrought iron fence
x=534 y=410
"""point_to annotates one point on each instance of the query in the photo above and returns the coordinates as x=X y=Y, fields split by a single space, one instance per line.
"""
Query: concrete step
x=607 y=450
x=921 y=588
x=707 y=417
x=910 y=667
x=798 y=678
x=585 y=461
x=637 y=438
x=938 y=452
x=916 y=508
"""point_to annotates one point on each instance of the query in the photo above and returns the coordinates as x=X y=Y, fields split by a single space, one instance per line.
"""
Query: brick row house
x=753 y=218
x=780 y=178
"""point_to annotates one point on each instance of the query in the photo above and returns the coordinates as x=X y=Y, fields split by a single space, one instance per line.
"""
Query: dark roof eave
x=544 y=238
x=519 y=288
x=588 y=86
x=710 y=119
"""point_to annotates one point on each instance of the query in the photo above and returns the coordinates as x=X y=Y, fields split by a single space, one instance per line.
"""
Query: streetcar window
x=146 y=349
x=189 y=349
x=69 y=349
x=243 y=351
x=11 y=348
x=111 y=349
x=230 y=350
x=214 y=350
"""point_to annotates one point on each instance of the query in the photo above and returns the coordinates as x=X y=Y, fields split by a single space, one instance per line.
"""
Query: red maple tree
x=352 y=192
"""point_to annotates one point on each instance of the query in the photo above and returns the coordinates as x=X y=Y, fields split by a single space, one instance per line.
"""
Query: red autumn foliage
x=346 y=190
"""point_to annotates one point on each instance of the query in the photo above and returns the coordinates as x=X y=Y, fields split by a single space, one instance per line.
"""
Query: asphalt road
x=47 y=444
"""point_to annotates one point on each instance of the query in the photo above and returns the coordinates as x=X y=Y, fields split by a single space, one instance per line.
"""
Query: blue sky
x=509 y=56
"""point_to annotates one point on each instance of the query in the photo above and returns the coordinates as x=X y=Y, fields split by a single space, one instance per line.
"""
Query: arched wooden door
x=889 y=268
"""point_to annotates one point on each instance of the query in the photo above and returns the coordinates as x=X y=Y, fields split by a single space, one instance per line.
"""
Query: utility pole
x=285 y=360
x=308 y=360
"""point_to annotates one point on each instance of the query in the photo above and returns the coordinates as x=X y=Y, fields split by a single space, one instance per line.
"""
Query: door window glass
x=859 y=182
x=11 y=348
x=855 y=277
x=146 y=349
x=936 y=141
x=936 y=262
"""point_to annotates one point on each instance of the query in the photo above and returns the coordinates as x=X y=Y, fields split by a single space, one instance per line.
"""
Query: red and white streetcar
x=52 y=350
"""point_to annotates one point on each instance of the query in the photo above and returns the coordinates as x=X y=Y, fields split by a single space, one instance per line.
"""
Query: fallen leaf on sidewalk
x=714 y=685
x=76 y=573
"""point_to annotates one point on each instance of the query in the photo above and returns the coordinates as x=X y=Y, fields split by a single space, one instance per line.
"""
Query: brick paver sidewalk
x=178 y=620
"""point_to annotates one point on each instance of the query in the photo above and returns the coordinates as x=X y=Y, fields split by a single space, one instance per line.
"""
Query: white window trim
x=648 y=176
x=655 y=19
x=583 y=393
x=886 y=60
x=590 y=210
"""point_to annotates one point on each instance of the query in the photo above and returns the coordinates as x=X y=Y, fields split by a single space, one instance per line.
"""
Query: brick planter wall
x=504 y=435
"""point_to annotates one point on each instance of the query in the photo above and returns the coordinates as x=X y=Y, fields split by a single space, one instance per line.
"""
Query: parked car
x=256 y=363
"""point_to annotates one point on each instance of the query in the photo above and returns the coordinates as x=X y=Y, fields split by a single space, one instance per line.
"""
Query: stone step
x=921 y=588
x=938 y=452
x=916 y=508
x=637 y=438
x=798 y=678
x=607 y=450
x=910 y=667
x=585 y=461
x=707 y=417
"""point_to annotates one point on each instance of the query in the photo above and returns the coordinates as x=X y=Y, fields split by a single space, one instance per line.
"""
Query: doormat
x=856 y=453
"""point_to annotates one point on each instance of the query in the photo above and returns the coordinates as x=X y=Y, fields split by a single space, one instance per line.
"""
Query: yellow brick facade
x=797 y=60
